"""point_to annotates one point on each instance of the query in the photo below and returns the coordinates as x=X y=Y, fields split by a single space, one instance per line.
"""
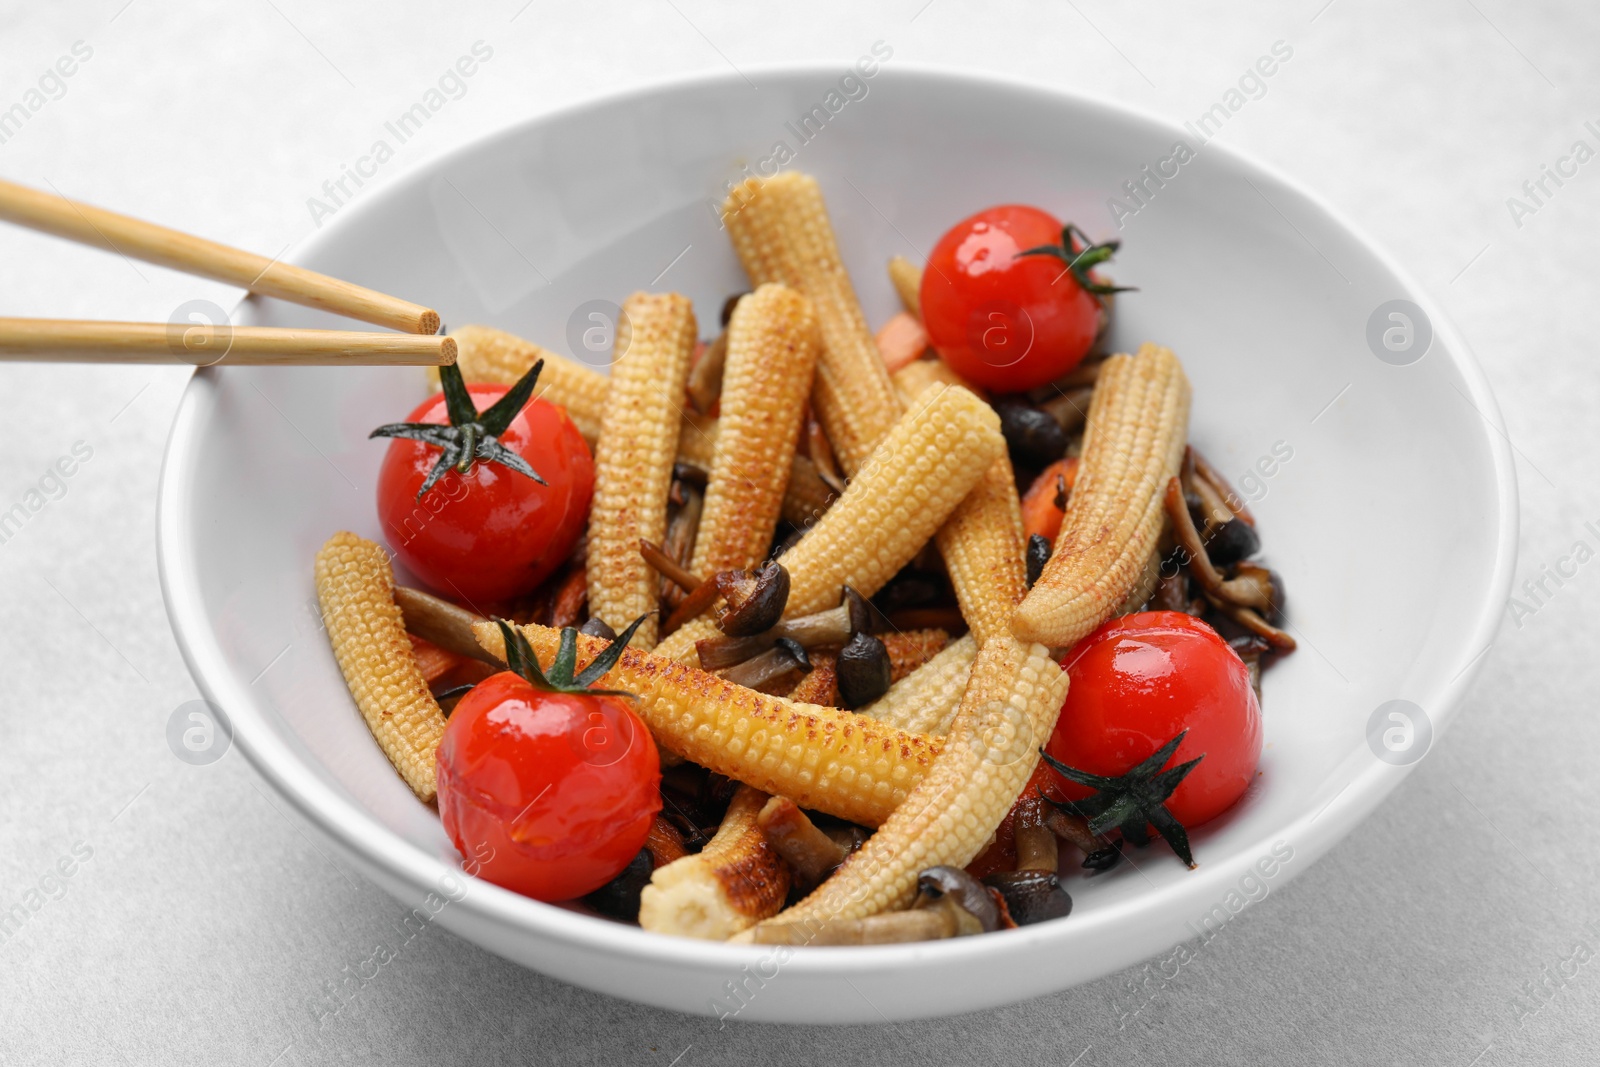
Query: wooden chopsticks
x=122 y=342
x=68 y=341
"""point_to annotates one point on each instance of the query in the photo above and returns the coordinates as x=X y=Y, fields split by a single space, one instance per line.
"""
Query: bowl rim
x=382 y=850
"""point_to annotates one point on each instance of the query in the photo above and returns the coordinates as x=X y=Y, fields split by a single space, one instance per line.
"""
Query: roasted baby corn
x=781 y=232
x=823 y=759
x=929 y=462
x=1009 y=709
x=490 y=355
x=1132 y=445
x=772 y=350
x=982 y=545
x=914 y=377
x=634 y=456
x=355 y=587
x=927 y=699
x=734 y=882
x=906 y=277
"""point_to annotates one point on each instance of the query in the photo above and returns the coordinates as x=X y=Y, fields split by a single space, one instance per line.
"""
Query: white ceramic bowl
x=1392 y=519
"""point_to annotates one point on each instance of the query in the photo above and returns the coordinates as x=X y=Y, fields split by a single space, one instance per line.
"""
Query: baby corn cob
x=927 y=699
x=934 y=456
x=634 y=456
x=781 y=232
x=914 y=377
x=1133 y=443
x=823 y=759
x=772 y=351
x=355 y=587
x=1009 y=709
x=930 y=460
x=490 y=355
x=734 y=882
x=982 y=545
x=906 y=277
x=697 y=440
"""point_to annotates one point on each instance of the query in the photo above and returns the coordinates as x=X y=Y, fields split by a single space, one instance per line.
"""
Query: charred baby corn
x=932 y=458
x=823 y=759
x=781 y=232
x=772 y=351
x=1010 y=707
x=634 y=456
x=927 y=699
x=982 y=545
x=1133 y=443
x=355 y=586
x=734 y=882
x=489 y=355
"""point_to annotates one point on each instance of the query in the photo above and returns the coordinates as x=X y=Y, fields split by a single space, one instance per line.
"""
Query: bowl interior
x=1359 y=471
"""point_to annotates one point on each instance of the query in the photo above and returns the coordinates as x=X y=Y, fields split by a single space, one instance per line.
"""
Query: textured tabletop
x=182 y=915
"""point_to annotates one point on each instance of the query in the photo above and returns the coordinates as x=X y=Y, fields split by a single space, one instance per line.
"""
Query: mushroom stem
x=1251 y=620
x=1244 y=594
x=682 y=530
x=1073 y=829
x=821 y=453
x=1211 y=476
x=1215 y=508
x=441 y=622
x=1036 y=844
x=811 y=854
x=945 y=918
x=668 y=567
x=694 y=605
x=831 y=627
x=1070 y=408
x=764 y=669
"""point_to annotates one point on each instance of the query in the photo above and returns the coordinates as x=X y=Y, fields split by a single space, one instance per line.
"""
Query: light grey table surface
x=1455 y=927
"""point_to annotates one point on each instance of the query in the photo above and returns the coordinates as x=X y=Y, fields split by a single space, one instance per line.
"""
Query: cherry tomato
x=491 y=534
x=1139 y=681
x=552 y=793
x=1004 y=321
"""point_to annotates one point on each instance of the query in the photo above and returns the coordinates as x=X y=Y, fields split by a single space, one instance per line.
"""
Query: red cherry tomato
x=1139 y=681
x=551 y=793
x=491 y=534
x=1004 y=321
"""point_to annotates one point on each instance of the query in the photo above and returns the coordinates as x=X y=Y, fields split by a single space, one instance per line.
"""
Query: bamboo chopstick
x=66 y=341
x=194 y=255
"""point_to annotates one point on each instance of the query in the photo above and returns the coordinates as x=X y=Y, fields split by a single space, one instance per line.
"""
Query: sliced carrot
x=902 y=340
x=1041 y=512
x=433 y=661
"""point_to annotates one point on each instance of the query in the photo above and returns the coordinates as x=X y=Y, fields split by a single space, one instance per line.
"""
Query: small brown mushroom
x=598 y=627
x=1035 y=842
x=831 y=627
x=755 y=602
x=1032 y=896
x=1209 y=474
x=957 y=885
x=864 y=671
x=1070 y=409
x=820 y=452
x=1245 y=594
x=774 y=666
x=811 y=854
x=683 y=528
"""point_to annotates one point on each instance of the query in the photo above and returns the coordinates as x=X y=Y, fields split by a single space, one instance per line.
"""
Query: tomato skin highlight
x=491 y=534
x=1006 y=322
x=553 y=793
x=1139 y=681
